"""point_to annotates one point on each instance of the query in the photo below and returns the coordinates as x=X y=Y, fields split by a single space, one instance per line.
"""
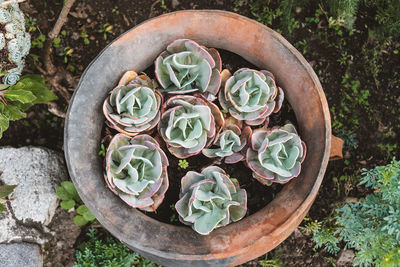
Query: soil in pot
x=258 y=195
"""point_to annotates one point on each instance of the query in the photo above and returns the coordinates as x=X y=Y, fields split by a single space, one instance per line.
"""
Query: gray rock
x=11 y=231
x=346 y=258
x=38 y=172
x=20 y=255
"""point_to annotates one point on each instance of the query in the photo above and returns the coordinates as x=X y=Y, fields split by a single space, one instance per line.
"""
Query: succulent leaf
x=133 y=106
x=188 y=124
x=187 y=67
x=275 y=155
x=15 y=42
x=230 y=142
x=136 y=170
x=250 y=95
x=209 y=200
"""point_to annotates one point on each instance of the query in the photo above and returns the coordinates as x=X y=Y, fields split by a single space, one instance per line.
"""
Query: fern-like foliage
x=372 y=225
x=109 y=253
x=344 y=11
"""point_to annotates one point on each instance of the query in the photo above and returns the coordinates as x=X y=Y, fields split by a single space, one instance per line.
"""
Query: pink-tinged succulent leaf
x=234 y=158
x=136 y=171
x=132 y=108
x=279 y=100
x=209 y=200
x=186 y=67
x=275 y=155
x=187 y=124
x=249 y=95
x=127 y=77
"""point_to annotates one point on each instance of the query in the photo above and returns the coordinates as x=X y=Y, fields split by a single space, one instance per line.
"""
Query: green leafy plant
x=85 y=36
x=15 y=99
x=66 y=53
x=5 y=190
x=371 y=225
x=273 y=262
x=106 y=30
x=38 y=42
x=70 y=199
x=107 y=252
x=102 y=151
x=183 y=164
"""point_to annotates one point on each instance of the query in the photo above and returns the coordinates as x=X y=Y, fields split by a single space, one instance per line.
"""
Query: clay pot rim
x=299 y=211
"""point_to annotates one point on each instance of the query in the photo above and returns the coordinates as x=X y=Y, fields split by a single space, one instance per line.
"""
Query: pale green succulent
x=133 y=107
x=229 y=143
x=15 y=42
x=187 y=67
x=136 y=170
x=251 y=96
x=188 y=124
x=209 y=200
x=275 y=155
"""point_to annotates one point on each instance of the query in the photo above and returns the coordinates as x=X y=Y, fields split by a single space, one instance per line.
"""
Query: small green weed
x=106 y=30
x=107 y=253
x=183 y=164
x=70 y=199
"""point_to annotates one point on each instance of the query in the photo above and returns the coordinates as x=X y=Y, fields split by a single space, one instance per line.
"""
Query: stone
x=11 y=231
x=37 y=172
x=20 y=254
x=346 y=258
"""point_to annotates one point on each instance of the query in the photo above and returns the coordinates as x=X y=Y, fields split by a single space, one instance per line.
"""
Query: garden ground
x=358 y=66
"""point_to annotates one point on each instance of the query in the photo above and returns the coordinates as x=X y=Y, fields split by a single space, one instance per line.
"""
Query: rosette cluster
x=275 y=155
x=134 y=105
x=15 y=42
x=187 y=67
x=210 y=199
x=251 y=96
x=188 y=124
x=230 y=142
x=136 y=171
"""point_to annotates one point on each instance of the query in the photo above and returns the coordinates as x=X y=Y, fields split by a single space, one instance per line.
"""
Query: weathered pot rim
x=278 y=230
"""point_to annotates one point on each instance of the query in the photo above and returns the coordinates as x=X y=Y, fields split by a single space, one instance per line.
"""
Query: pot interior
x=136 y=50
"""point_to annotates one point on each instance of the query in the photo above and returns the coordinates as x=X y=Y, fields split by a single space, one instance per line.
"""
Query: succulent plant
x=188 y=124
x=209 y=200
x=251 y=96
x=133 y=106
x=15 y=42
x=275 y=155
x=187 y=67
x=230 y=142
x=136 y=170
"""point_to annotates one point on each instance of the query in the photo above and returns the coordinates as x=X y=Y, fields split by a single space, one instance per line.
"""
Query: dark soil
x=369 y=125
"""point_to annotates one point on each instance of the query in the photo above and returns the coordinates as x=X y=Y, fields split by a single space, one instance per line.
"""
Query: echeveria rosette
x=136 y=170
x=15 y=42
x=188 y=124
x=133 y=106
x=230 y=142
x=209 y=200
x=275 y=155
x=187 y=67
x=251 y=96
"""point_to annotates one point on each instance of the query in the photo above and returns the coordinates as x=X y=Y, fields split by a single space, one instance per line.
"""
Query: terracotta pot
x=178 y=245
